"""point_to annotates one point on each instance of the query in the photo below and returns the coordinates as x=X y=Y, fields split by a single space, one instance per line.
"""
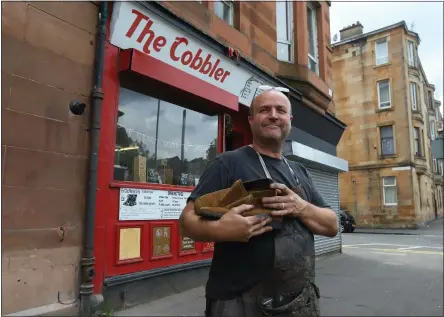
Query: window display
x=160 y=142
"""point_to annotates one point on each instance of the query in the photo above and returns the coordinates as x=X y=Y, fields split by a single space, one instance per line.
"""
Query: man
x=257 y=270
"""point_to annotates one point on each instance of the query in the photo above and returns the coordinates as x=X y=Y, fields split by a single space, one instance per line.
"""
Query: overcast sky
x=427 y=18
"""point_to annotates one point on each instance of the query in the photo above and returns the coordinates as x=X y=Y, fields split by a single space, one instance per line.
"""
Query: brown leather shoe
x=216 y=204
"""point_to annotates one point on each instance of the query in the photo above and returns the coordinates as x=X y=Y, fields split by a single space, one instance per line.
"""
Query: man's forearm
x=320 y=221
x=193 y=227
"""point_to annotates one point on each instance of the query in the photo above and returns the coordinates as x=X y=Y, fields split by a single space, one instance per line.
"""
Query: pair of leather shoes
x=215 y=205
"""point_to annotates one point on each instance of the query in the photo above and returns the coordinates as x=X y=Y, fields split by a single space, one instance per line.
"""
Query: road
x=385 y=275
x=376 y=275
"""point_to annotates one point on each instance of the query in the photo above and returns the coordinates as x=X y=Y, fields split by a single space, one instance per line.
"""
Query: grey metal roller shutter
x=326 y=183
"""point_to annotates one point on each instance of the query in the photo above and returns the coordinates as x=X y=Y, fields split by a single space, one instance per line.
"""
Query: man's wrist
x=302 y=209
x=216 y=230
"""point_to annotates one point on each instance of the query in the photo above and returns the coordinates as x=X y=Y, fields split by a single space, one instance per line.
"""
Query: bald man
x=260 y=269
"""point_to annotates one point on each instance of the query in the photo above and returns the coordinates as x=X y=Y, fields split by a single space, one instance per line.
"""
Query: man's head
x=270 y=117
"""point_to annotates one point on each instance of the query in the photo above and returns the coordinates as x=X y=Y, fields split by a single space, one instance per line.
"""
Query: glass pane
x=389 y=180
x=387 y=146
x=386 y=132
x=311 y=24
x=222 y=10
x=390 y=195
x=283 y=52
x=159 y=142
x=312 y=65
x=415 y=133
x=410 y=52
x=381 y=53
x=384 y=91
x=281 y=21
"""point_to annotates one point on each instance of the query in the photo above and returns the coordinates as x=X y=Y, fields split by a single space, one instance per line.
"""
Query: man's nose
x=273 y=114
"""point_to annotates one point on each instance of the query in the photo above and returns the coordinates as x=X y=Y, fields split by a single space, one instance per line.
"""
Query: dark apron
x=289 y=289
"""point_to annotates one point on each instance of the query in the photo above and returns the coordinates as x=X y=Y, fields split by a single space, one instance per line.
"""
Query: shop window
x=160 y=142
x=389 y=191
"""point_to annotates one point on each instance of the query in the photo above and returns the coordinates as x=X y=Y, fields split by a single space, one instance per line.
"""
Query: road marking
x=400 y=251
x=403 y=246
x=410 y=248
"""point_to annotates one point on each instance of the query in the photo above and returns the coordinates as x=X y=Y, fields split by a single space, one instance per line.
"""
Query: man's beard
x=272 y=141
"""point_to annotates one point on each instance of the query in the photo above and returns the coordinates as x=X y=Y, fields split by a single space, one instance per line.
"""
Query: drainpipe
x=87 y=261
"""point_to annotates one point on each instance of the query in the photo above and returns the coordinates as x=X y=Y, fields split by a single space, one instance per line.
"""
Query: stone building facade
x=382 y=93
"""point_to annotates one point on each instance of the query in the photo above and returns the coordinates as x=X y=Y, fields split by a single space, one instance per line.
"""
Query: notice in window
x=146 y=204
x=187 y=244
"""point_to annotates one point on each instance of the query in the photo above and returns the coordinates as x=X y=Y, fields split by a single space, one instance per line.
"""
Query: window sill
x=420 y=157
x=382 y=65
x=384 y=109
x=388 y=156
x=390 y=205
x=285 y=62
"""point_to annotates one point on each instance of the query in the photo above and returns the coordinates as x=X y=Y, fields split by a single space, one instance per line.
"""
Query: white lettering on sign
x=134 y=26
x=147 y=204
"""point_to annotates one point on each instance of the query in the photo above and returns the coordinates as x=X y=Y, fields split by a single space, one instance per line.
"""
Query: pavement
x=376 y=275
x=434 y=226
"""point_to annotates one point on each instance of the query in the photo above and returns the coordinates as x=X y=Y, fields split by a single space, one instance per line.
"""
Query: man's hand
x=288 y=203
x=321 y=221
x=234 y=227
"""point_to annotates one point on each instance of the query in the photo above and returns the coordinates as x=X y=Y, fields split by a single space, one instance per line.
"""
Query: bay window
x=417 y=141
x=411 y=53
x=225 y=11
x=414 y=96
x=313 y=60
x=284 y=30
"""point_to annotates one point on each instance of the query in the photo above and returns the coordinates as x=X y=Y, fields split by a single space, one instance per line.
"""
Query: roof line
x=380 y=30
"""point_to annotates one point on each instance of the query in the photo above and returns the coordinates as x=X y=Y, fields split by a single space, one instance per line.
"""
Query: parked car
x=348 y=223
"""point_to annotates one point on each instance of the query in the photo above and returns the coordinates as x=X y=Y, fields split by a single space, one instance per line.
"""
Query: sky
x=427 y=19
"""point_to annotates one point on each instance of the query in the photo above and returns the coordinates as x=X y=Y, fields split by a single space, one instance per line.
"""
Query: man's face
x=271 y=117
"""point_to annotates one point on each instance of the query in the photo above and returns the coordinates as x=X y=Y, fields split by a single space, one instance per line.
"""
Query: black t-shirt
x=238 y=266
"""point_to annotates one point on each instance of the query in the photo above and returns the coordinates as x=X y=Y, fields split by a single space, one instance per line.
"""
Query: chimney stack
x=351 y=30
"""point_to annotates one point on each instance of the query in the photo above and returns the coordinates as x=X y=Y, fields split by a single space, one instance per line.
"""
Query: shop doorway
x=237 y=129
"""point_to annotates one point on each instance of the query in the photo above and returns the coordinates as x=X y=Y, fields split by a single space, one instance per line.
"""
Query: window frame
x=230 y=4
x=430 y=99
x=384 y=186
x=432 y=130
x=314 y=22
x=378 y=42
x=151 y=185
x=417 y=138
x=414 y=96
x=290 y=34
x=392 y=137
x=411 y=53
x=379 y=94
